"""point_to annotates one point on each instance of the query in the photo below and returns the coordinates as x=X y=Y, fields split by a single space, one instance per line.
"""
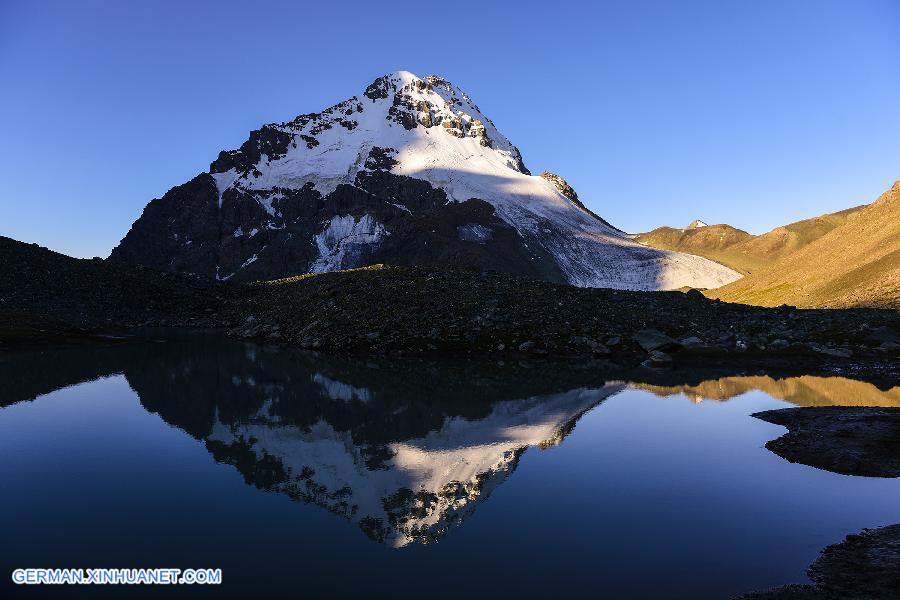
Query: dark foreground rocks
x=26 y=331
x=50 y=298
x=842 y=439
x=441 y=311
x=436 y=311
x=866 y=565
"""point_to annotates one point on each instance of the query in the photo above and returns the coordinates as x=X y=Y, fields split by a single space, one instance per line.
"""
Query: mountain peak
x=404 y=76
x=696 y=224
x=409 y=172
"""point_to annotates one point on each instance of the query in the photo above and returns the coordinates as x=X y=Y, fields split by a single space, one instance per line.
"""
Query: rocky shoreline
x=850 y=440
x=48 y=298
x=456 y=312
x=864 y=565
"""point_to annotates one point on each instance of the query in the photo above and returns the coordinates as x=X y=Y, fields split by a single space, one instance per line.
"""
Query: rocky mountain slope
x=410 y=172
x=855 y=264
x=738 y=249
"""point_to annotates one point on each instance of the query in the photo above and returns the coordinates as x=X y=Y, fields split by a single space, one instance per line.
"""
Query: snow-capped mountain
x=410 y=172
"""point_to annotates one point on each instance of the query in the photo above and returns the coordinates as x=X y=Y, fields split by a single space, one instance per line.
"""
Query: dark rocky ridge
x=191 y=212
x=848 y=440
x=429 y=310
x=187 y=231
x=440 y=312
x=46 y=296
x=569 y=192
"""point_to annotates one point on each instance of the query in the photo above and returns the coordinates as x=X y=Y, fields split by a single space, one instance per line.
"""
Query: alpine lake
x=306 y=475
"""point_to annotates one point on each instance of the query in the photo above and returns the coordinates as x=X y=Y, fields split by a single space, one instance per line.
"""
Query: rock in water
x=410 y=172
x=657 y=359
x=865 y=565
x=651 y=339
x=843 y=439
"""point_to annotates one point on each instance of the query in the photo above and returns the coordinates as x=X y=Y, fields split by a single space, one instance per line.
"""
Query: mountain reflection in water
x=806 y=390
x=403 y=448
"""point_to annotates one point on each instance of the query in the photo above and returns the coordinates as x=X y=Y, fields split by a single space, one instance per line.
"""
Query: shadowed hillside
x=44 y=294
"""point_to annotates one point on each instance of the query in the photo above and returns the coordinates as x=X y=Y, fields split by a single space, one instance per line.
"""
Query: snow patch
x=344 y=241
x=247 y=262
x=266 y=202
x=338 y=390
x=224 y=181
x=475 y=232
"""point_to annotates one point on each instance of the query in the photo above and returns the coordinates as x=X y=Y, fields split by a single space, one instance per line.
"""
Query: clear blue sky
x=753 y=113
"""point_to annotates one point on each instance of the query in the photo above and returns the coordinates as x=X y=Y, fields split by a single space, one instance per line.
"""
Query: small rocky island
x=850 y=440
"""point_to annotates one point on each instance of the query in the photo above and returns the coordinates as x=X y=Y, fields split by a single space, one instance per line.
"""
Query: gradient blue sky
x=753 y=113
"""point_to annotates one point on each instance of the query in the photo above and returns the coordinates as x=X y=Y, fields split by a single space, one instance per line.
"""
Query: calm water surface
x=314 y=476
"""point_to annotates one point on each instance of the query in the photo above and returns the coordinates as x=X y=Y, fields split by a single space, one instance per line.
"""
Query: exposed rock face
x=408 y=173
x=177 y=232
x=566 y=190
x=382 y=218
x=478 y=131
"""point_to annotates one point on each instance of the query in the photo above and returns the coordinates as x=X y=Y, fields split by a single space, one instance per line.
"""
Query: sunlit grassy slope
x=738 y=249
x=856 y=263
